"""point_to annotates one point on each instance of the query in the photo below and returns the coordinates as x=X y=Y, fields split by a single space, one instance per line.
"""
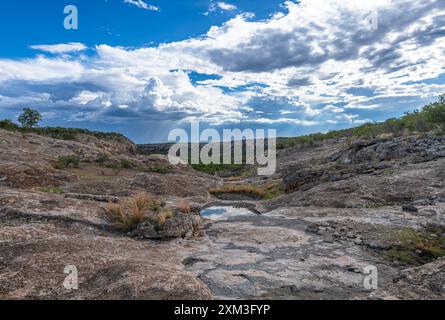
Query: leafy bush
x=71 y=133
x=415 y=121
x=116 y=168
x=102 y=159
x=9 y=125
x=158 y=169
x=125 y=164
x=435 y=112
x=393 y=126
x=57 y=133
x=67 y=161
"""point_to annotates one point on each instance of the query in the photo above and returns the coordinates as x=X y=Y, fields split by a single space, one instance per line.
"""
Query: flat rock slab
x=262 y=257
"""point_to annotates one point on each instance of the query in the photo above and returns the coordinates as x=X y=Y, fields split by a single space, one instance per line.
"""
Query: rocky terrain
x=333 y=209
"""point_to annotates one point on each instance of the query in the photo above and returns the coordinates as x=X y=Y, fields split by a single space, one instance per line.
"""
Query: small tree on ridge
x=29 y=118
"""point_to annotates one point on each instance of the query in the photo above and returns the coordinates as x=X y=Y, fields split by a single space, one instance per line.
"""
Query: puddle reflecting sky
x=224 y=213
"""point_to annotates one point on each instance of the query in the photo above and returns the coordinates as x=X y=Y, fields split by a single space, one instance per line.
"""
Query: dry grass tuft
x=183 y=206
x=142 y=201
x=132 y=211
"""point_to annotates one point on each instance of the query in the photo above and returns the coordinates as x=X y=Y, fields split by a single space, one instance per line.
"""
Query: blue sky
x=144 y=68
x=113 y=22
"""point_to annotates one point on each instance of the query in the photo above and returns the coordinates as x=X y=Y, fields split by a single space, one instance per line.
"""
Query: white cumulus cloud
x=221 y=6
x=60 y=48
x=143 y=5
x=226 y=6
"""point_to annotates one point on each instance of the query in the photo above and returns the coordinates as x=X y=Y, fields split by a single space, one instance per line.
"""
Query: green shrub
x=52 y=190
x=158 y=169
x=435 y=112
x=57 y=133
x=415 y=121
x=9 y=125
x=102 y=159
x=116 y=168
x=126 y=164
x=394 y=126
x=67 y=161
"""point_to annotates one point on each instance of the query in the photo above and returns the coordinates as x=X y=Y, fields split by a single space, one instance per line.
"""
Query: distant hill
x=430 y=119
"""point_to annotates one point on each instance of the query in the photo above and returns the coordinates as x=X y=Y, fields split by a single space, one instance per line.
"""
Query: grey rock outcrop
x=185 y=226
x=426 y=282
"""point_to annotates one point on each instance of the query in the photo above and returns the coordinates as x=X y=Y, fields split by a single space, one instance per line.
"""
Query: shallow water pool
x=225 y=213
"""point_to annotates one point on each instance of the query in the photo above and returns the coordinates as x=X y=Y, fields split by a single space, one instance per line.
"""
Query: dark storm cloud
x=299 y=82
